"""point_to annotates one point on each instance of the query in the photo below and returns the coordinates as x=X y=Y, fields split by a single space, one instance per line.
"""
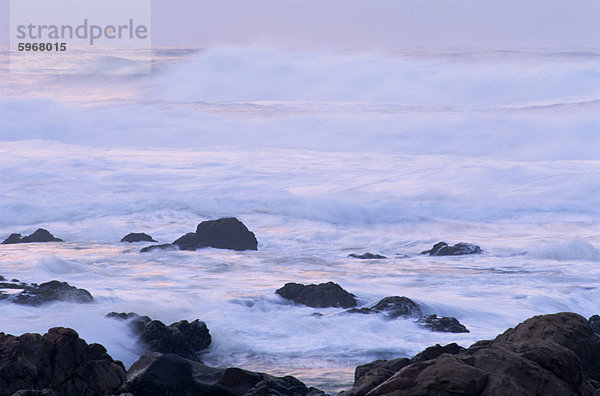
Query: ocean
x=320 y=154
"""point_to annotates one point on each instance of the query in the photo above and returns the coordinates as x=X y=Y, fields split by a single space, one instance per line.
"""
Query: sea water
x=320 y=155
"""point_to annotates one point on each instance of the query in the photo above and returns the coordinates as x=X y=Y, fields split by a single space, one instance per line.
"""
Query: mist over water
x=321 y=155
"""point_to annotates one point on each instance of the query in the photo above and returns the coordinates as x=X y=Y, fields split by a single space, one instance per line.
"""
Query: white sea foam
x=575 y=249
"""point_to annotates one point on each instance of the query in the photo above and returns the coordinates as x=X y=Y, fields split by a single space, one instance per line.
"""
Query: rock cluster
x=169 y=374
x=555 y=354
x=224 y=233
x=443 y=249
x=332 y=295
x=34 y=294
x=59 y=362
x=181 y=338
x=40 y=235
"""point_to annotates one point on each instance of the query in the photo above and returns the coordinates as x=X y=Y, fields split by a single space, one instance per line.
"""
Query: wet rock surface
x=395 y=307
x=33 y=294
x=323 y=295
x=59 y=362
x=181 y=338
x=165 y=246
x=40 y=235
x=133 y=237
x=443 y=249
x=442 y=324
x=169 y=374
x=554 y=354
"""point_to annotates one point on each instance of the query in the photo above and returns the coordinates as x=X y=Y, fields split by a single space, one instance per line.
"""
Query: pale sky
x=370 y=24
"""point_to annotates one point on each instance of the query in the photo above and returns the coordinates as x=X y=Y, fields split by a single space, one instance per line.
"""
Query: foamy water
x=321 y=155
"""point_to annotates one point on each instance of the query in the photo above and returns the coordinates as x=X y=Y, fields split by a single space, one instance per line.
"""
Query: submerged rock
x=190 y=241
x=442 y=324
x=323 y=295
x=165 y=246
x=367 y=256
x=403 y=307
x=181 y=338
x=361 y=310
x=169 y=374
x=395 y=307
x=137 y=237
x=443 y=249
x=59 y=362
x=545 y=355
x=46 y=292
x=40 y=235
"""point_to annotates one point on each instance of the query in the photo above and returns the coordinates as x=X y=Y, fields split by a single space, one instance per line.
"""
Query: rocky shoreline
x=554 y=354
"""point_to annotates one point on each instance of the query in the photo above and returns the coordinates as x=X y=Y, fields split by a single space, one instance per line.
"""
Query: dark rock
x=46 y=292
x=594 y=322
x=137 y=237
x=446 y=375
x=169 y=374
x=137 y=323
x=190 y=241
x=323 y=295
x=434 y=351
x=165 y=246
x=363 y=310
x=227 y=233
x=442 y=324
x=34 y=392
x=40 y=235
x=181 y=338
x=370 y=375
x=568 y=329
x=396 y=306
x=59 y=362
x=13 y=284
x=367 y=256
x=12 y=239
x=443 y=249
x=545 y=355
